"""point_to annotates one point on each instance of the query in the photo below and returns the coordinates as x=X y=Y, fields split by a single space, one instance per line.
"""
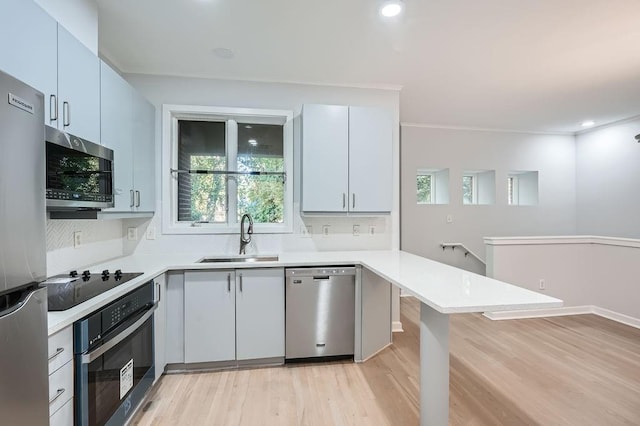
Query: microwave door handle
x=66 y=114
x=53 y=108
x=91 y=356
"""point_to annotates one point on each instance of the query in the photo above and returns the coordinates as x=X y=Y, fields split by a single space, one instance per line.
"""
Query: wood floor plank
x=573 y=370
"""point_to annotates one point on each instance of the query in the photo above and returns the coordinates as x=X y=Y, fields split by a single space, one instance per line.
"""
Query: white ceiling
x=543 y=65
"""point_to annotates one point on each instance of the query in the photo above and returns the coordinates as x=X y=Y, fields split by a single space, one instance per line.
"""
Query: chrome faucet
x=245 y=238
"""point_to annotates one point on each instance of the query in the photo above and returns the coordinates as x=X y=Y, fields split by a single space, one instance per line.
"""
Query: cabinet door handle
x=240 y=283
x=131 y=198
x=58 y=352
x=353 y=196
x=159 y=291
x=66 y=114
x=344 y=201
x=137 y=198
x=58 y=395
x=229 y=283
x=53 y=108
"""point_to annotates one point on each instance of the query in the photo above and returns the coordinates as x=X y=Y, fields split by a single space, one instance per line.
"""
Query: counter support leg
x=434 y=367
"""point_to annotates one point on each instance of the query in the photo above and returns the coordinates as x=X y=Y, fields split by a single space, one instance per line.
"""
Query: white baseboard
x=566 y=310
x=615 y=316
x=396 y=327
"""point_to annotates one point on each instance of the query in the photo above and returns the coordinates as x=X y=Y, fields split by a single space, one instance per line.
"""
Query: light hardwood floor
x=574 y=370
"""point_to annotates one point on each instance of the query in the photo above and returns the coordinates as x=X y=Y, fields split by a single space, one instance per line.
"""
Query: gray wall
x=424 y=227
x=608 y=178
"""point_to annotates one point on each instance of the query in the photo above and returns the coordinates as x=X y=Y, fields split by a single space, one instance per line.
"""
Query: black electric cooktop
x=67 y=291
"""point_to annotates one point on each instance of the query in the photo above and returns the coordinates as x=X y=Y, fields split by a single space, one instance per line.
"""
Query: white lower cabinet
x=209 y=316
x=233 y=315
x=60 y=353
x=64 y=416
x=259 y=313
x=160 y=325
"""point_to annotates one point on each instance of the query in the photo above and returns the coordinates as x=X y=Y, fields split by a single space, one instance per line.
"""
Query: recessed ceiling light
x=223 y=53
x=253 y=142
x=588 y=123
x=248 y=126
x=391 y=8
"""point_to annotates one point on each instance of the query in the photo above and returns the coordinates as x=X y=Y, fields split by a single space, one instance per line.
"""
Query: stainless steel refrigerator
x=23 y=305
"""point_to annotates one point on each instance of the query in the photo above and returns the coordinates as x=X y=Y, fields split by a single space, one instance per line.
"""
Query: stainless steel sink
x=230 y=259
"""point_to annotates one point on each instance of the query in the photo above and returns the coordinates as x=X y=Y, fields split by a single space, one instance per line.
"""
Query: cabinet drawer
x=60 y=349
x=60 y=387
x=64 y=416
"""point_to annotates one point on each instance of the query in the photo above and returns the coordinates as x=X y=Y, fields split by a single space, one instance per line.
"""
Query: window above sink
x=220 y=163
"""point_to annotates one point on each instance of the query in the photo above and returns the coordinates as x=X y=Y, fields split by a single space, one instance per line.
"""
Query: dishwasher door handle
x=322 y=278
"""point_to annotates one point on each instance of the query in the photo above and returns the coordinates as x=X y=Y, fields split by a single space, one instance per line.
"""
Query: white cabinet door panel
x=116 y=110
x=209 y=316
x=174 y=327
x=325 y=153
x=376 y=313
x=370 y=159
x=78 y=87
x=159 y=325
x=29 y=50
x=144 y=116
x=259 y=313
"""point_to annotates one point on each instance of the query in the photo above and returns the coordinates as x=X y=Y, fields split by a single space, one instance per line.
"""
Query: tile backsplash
x=60 y=232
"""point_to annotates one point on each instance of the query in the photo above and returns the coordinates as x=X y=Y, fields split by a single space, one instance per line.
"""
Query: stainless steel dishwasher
x=320 y=312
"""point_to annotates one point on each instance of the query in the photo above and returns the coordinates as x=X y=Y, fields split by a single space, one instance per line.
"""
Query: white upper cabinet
x=127 y=123
x=29 y=50
x=325 y=158
x=370 y=165
x=144 y=159
x=34 y=48
x=116 y=127
x=346 y=159
x=78 y=88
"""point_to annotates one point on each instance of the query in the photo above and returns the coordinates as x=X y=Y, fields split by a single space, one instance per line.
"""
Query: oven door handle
x=91 y=356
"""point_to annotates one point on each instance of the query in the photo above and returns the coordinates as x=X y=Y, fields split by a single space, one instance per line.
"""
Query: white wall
x=582 y=271
x=190 y=91
x=608 y=178
x=424 y=227
x=79 y=17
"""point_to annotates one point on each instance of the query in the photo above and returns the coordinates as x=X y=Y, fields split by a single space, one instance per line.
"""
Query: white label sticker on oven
x=126 y=378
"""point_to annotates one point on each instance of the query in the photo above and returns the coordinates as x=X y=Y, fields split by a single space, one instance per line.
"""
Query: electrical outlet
x=372 y=230
x=356 y=230
x=309 y=231
x=77 y=239
x=132 y=234
x=151 y=233
x=541 y=284
x=449 y=218
x=325 y=230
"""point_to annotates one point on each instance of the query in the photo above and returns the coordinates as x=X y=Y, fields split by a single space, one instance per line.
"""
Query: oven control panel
x=94 y=328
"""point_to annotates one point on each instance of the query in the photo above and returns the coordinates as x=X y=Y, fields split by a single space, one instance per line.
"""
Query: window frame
x=171 y=114
x=432 y=191
x=474 y=188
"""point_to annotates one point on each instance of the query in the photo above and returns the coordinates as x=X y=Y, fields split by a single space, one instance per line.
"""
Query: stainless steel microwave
x=79 y=173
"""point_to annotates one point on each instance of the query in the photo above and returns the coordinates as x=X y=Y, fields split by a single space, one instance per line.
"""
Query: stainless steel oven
x=114 y=359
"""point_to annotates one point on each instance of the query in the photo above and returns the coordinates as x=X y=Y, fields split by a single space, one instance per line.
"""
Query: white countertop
x=446 y=289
